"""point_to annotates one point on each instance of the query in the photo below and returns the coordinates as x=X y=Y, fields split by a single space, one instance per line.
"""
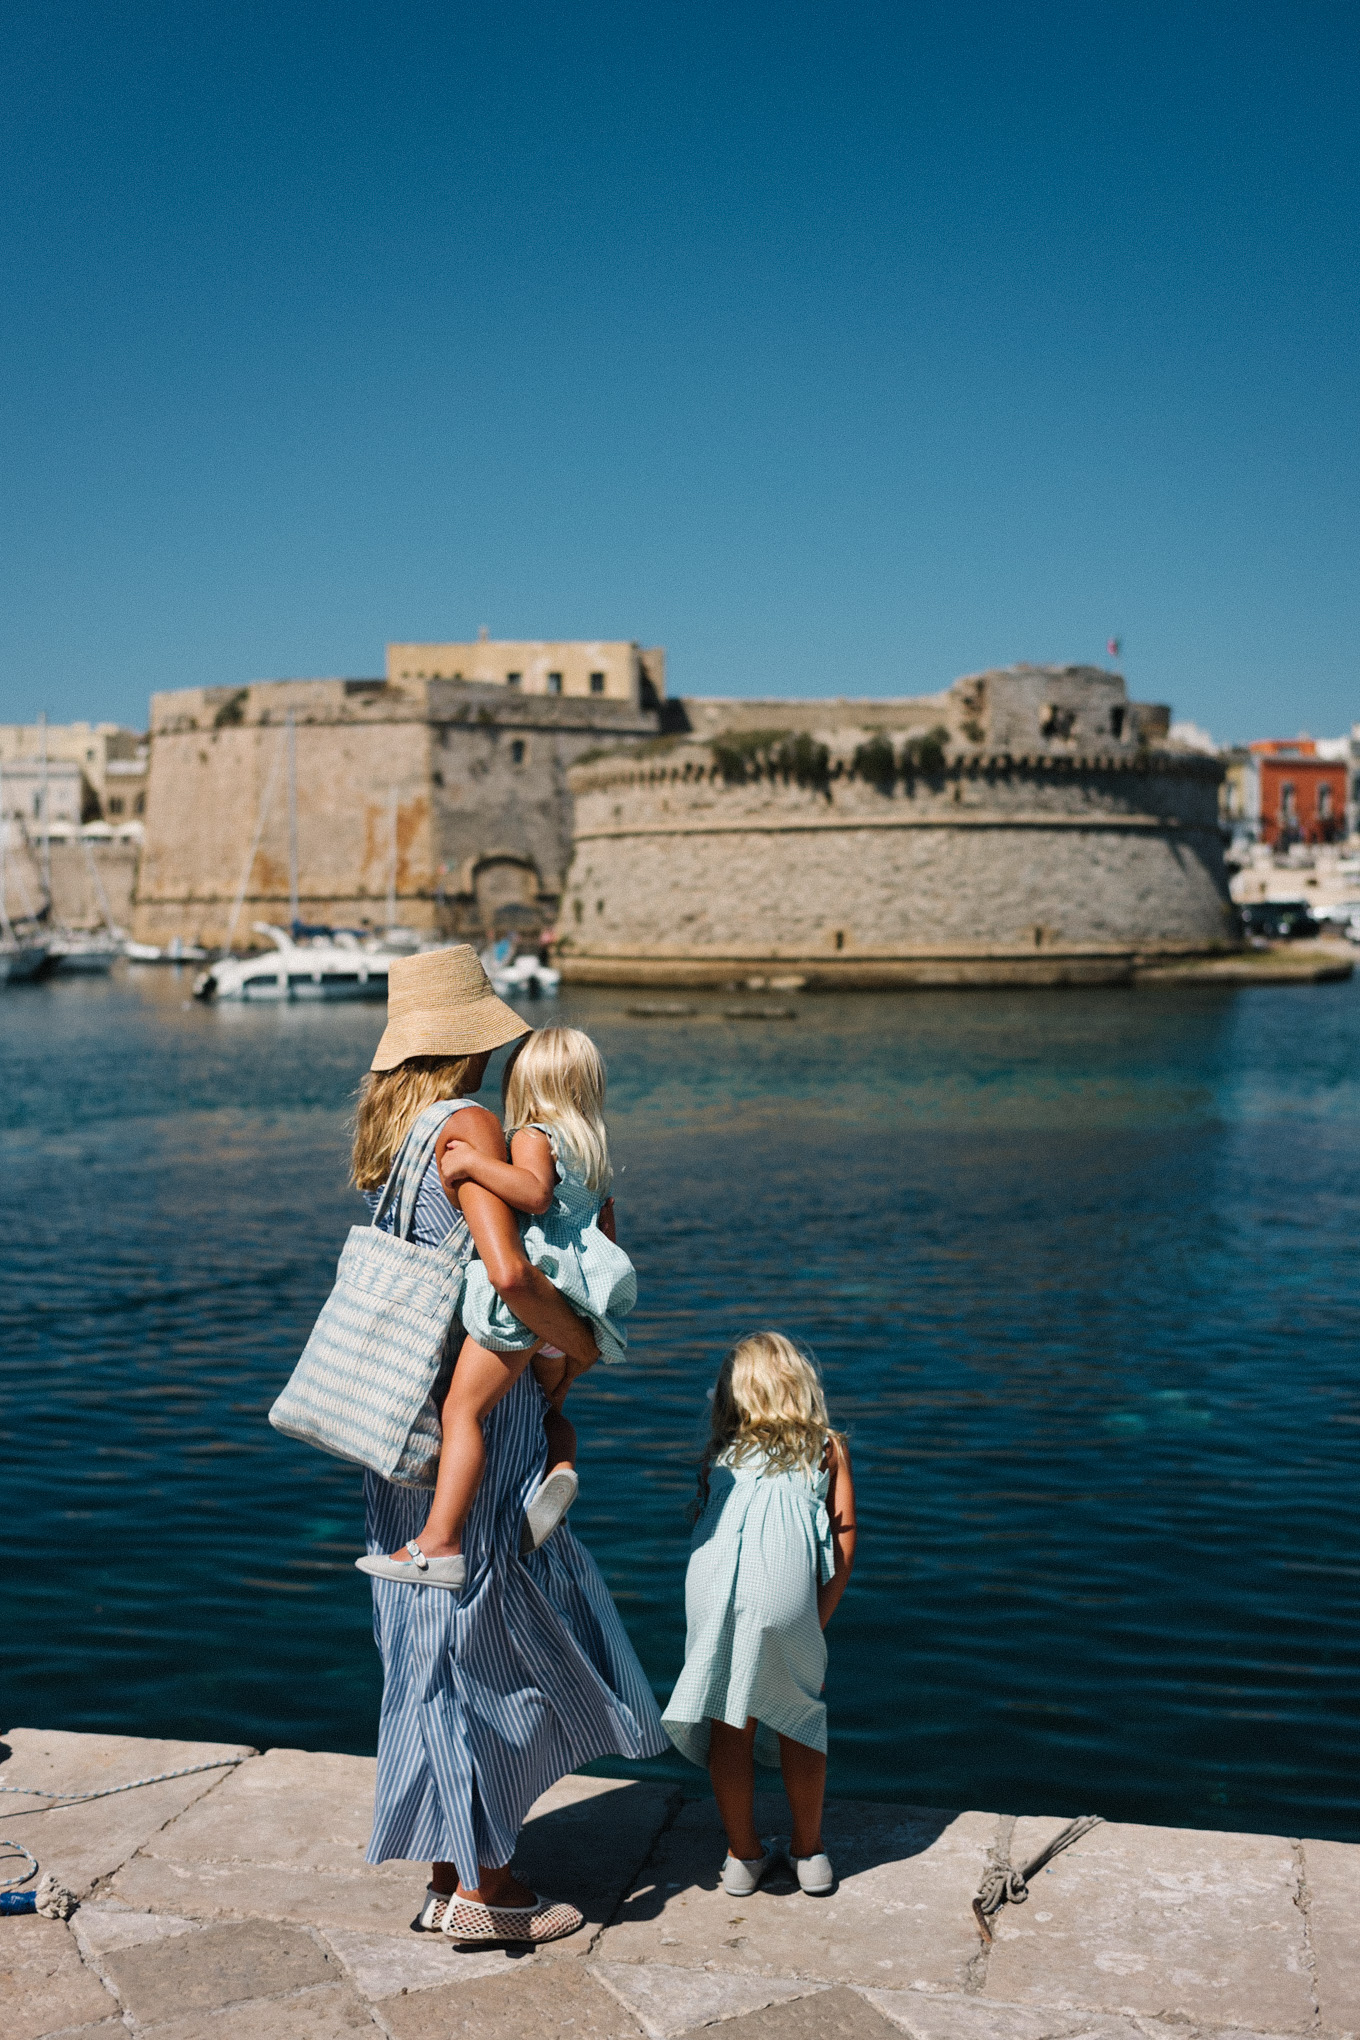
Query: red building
x=1303 y=797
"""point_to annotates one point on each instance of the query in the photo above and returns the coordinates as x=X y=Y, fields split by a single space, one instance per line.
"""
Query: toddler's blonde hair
x=768 y=1399
x=558 y=1077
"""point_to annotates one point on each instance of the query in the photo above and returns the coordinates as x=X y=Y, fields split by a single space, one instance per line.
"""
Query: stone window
x=513 y=679
x=517 y=751
x=116 y=804
x=1057 y=723
x=1324 y=803
x=597 y=683
x=1116 y=722
x=1289 y=802
x=554 y=683
x=139 y=805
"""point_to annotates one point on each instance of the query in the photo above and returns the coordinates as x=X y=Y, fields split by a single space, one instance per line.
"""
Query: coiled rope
x=1002 y=1883
x=52 y=1898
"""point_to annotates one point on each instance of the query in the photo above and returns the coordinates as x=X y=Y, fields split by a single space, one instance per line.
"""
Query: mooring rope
x=53 y=1898
x=1002 y=1883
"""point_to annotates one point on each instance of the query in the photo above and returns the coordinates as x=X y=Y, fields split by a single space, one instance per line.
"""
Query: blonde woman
x=491 y=1693
x=771 y=1554
x=558 y=1176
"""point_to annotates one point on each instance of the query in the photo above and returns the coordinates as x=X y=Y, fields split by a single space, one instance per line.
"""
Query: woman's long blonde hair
x=768 y=1400
x=558 y=1077
x=391 y=1101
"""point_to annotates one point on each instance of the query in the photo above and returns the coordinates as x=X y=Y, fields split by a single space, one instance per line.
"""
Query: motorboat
x=176 y=950
x=519 y=977
x=83 y=951
x=335 y=966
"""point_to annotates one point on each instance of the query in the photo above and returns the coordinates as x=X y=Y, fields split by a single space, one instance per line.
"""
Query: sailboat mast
x=46 y=817
x=392 y=868
x=292 y=828
x=5 y=928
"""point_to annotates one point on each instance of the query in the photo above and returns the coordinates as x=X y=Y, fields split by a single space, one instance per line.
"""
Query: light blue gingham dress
x=594 y=1276
x=753 y=1643
x=492 y=1694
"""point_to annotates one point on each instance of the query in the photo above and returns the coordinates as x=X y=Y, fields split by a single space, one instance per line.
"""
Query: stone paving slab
x=668 y=2001
x=543 y=2002
x=82 y=1844
x=330 y=2012
x=834 y=2014
x=44 y=1985
x=1332 y=1880
x=214 y=1966
x=925 y=2016
x=901 y=1912
x=1165 y=1921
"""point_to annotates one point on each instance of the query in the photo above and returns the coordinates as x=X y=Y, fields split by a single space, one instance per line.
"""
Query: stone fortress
x=1031 y=824
x=1025 y=826
x=435 y=796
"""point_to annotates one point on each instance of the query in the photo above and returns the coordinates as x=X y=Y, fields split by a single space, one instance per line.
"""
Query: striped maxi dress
x=492 y=1694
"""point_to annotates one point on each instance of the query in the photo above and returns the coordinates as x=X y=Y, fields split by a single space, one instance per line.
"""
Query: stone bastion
x=1025 y=826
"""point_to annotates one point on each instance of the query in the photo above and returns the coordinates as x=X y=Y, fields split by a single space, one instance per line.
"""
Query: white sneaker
x=815 y=1874
x=740 y=1876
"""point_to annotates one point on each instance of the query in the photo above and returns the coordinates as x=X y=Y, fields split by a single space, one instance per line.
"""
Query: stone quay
x=236 y=1905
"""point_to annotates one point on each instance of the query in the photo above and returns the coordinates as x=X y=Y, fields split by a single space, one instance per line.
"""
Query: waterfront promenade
x=236 y=1906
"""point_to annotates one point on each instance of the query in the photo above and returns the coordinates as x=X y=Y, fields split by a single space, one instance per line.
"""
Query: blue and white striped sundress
x=493 y=1694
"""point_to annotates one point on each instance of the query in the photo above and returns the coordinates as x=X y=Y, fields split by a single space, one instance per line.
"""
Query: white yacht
x=84 y=950
x=519 y=977
x=176 y=950
x=338 y=965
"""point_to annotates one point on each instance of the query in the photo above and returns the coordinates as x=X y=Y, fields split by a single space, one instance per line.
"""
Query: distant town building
x=95 y=772
x=603 y=669
x=1302 y=796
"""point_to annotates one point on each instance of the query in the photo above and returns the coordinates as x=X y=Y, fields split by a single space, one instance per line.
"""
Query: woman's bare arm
x=840 y=1507
x=526 y=1182
x=520 y=1285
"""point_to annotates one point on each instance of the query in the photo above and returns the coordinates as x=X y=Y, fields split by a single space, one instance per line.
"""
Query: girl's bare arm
x=495 y=1235
x=526 y=1182
x=840 y=1507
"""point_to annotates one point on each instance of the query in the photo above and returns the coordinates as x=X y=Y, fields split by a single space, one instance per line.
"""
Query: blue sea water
x=1080 y=1267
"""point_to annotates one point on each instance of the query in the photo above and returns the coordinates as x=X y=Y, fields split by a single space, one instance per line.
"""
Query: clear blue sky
x=839 y=348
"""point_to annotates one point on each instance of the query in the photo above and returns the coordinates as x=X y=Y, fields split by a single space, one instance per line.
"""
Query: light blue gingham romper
x=593 y=1275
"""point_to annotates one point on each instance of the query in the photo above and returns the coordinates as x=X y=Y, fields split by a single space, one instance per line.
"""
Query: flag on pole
x=1115 y=647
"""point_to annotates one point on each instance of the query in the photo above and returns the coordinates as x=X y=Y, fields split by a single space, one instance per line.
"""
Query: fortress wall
x=483 y=806
x=1004 y=868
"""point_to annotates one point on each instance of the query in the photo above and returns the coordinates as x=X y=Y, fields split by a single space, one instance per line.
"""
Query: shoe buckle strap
x=422 y=1563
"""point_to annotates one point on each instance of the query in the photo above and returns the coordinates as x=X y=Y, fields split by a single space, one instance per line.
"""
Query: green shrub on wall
x=876 y=763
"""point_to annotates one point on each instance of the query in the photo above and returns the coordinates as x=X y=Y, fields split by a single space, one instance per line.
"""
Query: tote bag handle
x=413 y=1158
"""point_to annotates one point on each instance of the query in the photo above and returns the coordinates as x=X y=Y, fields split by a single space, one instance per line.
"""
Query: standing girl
x=769 y=1560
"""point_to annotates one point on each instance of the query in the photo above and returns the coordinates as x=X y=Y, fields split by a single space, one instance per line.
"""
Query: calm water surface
x=1080 y=1267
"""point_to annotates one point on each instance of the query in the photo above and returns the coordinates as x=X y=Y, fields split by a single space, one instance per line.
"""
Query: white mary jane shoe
x=417 y=1570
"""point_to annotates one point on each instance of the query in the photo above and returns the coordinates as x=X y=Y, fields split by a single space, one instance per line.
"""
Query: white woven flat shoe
x=473 y=1925
x=547 y=1508
x=417 y=1570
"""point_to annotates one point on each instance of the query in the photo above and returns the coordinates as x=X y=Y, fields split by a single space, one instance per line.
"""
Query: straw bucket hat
x=441 y=1003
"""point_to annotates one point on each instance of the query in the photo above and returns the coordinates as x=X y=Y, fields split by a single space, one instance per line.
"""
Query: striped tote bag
x=364 y=1387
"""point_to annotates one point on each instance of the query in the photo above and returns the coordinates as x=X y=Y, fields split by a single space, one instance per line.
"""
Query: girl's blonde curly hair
x=768 y=1401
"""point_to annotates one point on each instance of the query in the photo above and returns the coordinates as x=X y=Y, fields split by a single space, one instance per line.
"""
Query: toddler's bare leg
x=480 y=1379
x=732 y=1768
x=561 y=1436
x=805 y=1783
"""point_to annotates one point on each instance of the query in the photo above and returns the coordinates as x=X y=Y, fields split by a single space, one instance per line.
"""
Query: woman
x=492 y=1693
